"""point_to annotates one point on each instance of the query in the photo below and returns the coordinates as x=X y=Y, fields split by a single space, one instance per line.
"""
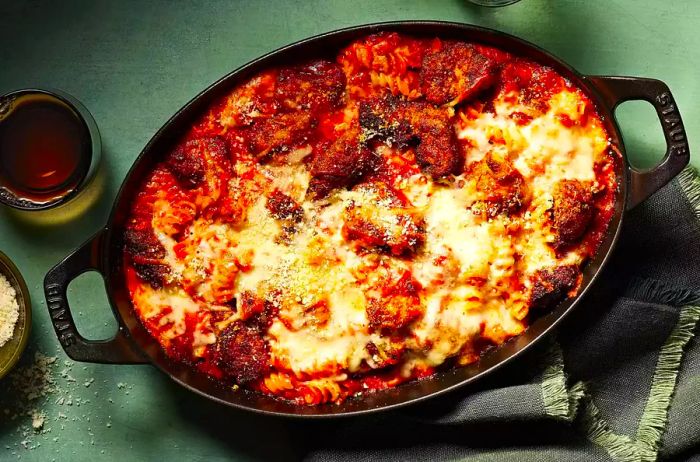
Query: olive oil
x=45 y=150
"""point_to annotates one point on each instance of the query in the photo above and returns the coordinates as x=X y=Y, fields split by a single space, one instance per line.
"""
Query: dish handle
x=118 y=349
x=617 y=90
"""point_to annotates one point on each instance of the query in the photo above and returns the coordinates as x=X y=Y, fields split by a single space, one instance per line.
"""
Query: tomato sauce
x=280 y=112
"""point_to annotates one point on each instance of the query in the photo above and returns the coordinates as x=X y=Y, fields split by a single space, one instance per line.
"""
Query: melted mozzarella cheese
x=451 y=228
x=338 y=344
x=466 y=267
x=172 y=303
x=543 y=150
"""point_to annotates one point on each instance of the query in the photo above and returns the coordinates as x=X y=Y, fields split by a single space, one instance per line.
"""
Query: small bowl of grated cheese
x=15 y=314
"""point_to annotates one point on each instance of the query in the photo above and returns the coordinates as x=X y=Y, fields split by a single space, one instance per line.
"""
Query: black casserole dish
x=132 y=344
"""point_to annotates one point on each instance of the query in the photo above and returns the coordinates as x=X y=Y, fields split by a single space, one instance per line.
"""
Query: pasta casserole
x=345 y=224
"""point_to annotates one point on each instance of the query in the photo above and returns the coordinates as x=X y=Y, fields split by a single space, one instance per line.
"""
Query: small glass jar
x=50 y=149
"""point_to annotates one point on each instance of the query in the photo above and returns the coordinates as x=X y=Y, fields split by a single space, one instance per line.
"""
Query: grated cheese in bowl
x=9 y=310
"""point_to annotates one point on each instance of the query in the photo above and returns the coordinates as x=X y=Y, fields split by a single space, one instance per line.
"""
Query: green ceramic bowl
x=12 y=350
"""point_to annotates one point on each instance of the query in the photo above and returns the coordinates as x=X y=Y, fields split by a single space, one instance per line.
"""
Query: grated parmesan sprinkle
x=9 y=310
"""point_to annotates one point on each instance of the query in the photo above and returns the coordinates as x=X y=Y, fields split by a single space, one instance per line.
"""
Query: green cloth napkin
x=619 y=381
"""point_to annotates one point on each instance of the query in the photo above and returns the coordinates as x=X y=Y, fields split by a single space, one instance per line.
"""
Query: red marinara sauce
x=373 y=115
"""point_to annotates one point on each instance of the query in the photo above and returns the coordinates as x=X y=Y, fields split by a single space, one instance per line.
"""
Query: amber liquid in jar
x=44 y=149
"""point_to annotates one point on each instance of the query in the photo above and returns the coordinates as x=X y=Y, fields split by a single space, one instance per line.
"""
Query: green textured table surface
x=133 y=64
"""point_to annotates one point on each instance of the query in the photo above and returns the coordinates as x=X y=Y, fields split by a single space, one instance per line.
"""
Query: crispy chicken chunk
x=280 y=134
x=437 y=153
x=454 y=73
x=340 y=163
x=283 y=207
x=394 y=312
x=398 y=306
x=189 y=161
x=383 y=119
x=242 y=353
x=186 y=165
x=385 y=353
x=147 y=255
x=203 y=166
x=414 y=123
x=383 y=220
x=502 y=186
x=572 y=211
x=256 y=311
x=552 y=285
x=316 y=86
x=533 y=84
x=300 y=93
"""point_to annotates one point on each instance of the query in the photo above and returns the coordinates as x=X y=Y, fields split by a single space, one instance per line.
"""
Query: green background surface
x=133 y=64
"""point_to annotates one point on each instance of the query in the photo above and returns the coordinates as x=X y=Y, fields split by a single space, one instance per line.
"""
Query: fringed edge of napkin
x=690 y=184
x=645 y=446
x=560 y=401
x=574 y=403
